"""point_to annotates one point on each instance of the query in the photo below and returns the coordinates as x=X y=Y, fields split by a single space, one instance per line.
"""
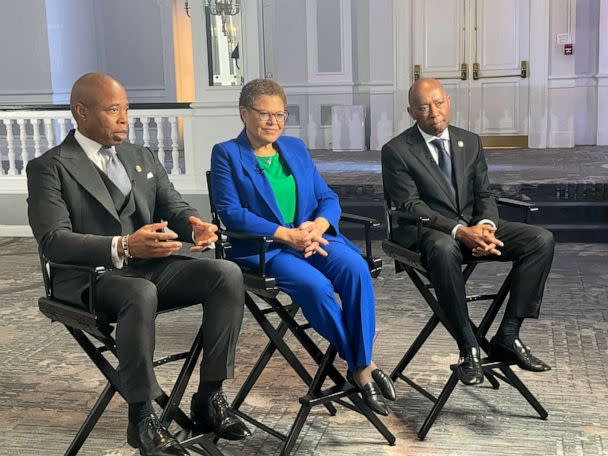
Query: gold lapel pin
x=138 y=168
x=460 y=144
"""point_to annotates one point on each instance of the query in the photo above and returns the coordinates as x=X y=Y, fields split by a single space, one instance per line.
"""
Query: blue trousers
x=311 y=283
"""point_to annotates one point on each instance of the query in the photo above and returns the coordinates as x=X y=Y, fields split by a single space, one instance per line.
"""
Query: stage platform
x=570 y=186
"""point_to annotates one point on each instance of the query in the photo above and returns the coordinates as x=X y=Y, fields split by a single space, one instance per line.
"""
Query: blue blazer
x=244 y=199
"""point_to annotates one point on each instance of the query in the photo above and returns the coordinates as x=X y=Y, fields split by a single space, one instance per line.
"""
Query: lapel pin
x=460 y=144
x=138 y=168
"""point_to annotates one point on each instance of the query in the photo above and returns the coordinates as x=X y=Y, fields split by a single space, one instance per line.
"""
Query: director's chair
x=409 y=260
x=93 y=332
x=260 y=285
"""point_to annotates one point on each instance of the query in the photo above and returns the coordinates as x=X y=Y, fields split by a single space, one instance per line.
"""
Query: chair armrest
x=525 y=207
x=360 y=219
x=262 y=241
x=418 y=220
x=368 y=223
x=92 y=271
x=516 y=203
x=247 y=237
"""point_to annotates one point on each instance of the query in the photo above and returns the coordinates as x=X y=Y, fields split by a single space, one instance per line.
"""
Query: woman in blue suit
x=267 y=185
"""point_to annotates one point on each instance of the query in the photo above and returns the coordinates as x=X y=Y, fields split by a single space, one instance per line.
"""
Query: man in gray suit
x=439 y=172
x=96 y=201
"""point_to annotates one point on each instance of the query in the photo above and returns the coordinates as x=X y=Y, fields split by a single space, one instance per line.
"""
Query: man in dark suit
x=439 y=172
x=95 y=201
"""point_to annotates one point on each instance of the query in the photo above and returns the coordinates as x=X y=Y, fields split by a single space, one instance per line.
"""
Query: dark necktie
x=445 y=162
x=116 y=171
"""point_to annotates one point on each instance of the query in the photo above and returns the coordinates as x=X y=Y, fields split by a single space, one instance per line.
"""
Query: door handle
x=464 y=70
x=523 y=72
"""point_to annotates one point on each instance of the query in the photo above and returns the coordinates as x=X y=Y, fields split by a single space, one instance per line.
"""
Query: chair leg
x=525 y=392
x=202 y=445
x=295 y=430
x=172 y=406
x=313 y=391
x=372 y=418
x=415 y=347
x=278 y=342
x=91 y=420
x=438 y=406
x=259 y=367
x=488 y=374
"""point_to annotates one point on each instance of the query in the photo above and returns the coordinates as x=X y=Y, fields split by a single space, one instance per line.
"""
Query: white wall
x=73 y=44
x=25 y=76
x=49 y=44
x=586 y=66
x=137 y=46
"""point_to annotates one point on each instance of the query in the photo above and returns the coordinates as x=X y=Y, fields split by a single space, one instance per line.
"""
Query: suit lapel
x=84 y=172
x=458 y=161
x=137 y=176
x=421 y=152
x=260 y=182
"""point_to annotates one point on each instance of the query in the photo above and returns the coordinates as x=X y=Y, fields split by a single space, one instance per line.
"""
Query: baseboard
x=15 y=231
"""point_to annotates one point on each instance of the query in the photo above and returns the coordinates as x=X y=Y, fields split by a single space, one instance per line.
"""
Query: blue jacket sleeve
x=227 y=201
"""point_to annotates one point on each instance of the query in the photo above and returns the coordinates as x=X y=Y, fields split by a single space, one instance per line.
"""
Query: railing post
x=62 y=129
x=174 y=146
x=146 y=131
x=12 y=169
x=23 y=141
x=132 y=130
x=50 y=133
x=36 y=126
x=160 y=138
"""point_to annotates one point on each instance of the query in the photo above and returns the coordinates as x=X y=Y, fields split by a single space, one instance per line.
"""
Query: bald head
x=421 y=86
x=99 y=105
x=429 y=106
x=89 y=88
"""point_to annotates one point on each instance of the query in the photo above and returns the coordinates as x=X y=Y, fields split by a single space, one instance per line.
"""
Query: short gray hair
x=258 y=87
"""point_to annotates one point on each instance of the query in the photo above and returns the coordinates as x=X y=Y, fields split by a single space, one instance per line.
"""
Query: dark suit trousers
x=530 y=248
x=133 y=296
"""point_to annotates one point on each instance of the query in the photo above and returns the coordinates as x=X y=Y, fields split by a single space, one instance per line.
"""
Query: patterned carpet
x=47 y=385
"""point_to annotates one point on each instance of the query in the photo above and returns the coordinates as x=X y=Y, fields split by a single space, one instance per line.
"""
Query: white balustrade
x=50 y=128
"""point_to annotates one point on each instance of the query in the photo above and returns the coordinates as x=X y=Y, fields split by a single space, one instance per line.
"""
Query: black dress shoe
x=153 y=439
x=385 y=384
x=371 y=395
x=469 y=368
x=215 y=415
x=517 y=353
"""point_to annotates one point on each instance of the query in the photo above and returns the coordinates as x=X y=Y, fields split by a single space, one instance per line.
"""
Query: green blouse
x=283 y=185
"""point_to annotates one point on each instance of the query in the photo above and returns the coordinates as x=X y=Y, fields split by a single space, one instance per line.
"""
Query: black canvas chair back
x=260 y=285
x=409 y=260
x=93 y=332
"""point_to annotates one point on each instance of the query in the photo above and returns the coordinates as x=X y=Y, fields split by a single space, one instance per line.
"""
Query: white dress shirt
x=91 y=148
x=445 y=137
